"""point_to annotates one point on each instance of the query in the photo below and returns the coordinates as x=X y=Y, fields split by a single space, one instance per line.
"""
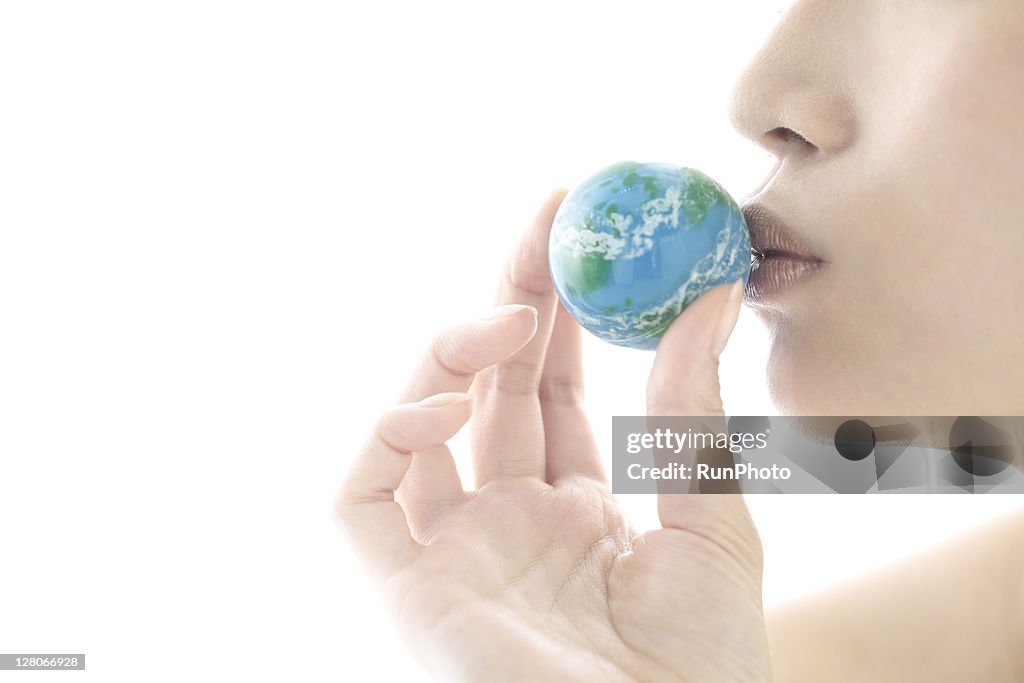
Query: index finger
x=508 y=440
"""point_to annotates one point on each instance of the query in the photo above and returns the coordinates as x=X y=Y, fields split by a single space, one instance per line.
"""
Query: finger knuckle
x=662 y=400
x=389 y=432
x=514 y=377
x=560 y=391
x=656 y=405
x=734 y=537
x=344 y=503
x=402 y=429
x=450 y=350
x=528 y=273
x=708 y=404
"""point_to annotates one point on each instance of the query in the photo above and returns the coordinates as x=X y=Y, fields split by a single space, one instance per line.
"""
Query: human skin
x=907 y=176
x=897 y=129
x=536 y=575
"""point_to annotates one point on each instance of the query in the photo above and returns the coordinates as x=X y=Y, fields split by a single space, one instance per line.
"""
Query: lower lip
x=772 y=275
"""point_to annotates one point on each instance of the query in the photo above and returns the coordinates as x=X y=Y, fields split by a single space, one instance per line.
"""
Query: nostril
x=787 y=135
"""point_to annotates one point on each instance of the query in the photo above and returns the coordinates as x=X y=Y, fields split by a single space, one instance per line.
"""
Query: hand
x=535 y=575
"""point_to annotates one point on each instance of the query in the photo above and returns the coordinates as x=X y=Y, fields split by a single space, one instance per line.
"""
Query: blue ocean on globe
x=634 y=244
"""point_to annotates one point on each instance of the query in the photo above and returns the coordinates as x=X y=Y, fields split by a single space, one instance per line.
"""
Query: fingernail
x=508 y=311
x=727 y=321
x=450 y=398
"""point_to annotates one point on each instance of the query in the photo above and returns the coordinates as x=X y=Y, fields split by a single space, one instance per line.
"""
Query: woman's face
x=906 y=178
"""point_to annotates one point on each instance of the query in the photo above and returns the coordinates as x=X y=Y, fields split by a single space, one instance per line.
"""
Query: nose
x=794 y=99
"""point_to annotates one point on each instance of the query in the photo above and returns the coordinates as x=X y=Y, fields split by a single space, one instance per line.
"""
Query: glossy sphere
x=633 y=245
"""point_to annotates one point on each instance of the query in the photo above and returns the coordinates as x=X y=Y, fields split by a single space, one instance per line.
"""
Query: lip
x=779 y=259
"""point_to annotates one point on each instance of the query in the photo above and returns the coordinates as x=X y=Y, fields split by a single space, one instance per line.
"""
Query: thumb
x=684 y=382
x=684 y=378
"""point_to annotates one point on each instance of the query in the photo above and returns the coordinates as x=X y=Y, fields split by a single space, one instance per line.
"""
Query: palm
x=532 y=570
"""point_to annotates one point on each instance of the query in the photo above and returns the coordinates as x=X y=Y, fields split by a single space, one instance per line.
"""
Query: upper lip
x=770 y=236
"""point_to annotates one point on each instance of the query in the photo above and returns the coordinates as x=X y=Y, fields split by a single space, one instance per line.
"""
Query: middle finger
x=508 y=434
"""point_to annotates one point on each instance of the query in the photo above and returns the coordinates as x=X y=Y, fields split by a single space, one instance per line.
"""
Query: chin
x=797 y=390
x=814 y=379
x=808 y=377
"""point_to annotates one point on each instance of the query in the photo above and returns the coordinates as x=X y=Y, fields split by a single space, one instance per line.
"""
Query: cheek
x=937 y=185
x=948 y=192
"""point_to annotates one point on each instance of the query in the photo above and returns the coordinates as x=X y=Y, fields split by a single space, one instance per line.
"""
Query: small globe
x=635 y=244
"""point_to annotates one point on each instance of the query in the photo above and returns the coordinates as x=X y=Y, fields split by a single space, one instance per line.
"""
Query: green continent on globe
x=700 y=194
x=587 y=273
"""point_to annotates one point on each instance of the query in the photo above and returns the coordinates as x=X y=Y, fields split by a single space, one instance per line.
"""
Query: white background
x=227 y=230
